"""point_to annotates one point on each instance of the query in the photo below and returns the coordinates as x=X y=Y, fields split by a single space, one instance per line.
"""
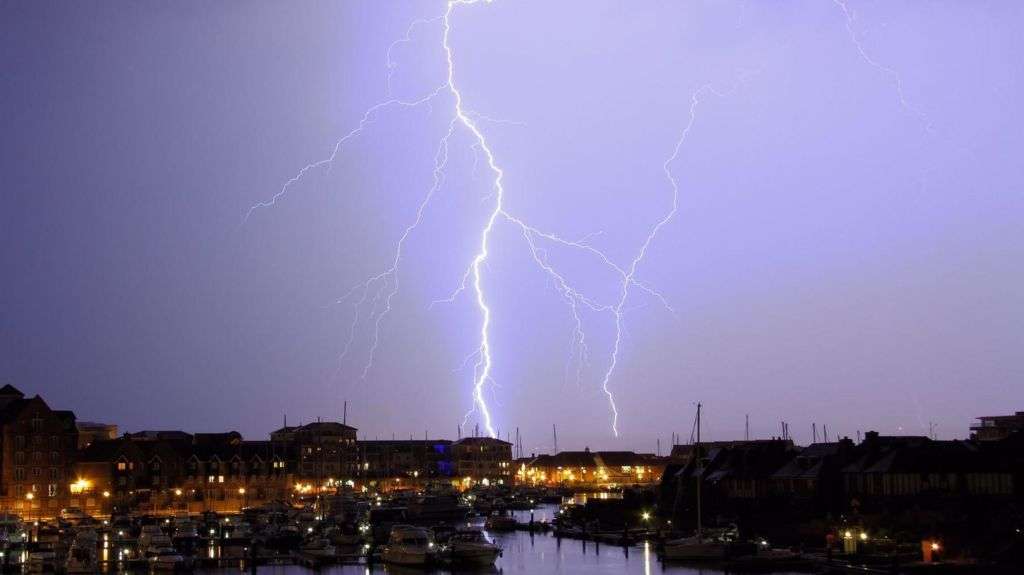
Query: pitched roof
x=160 y=435
x=323 y=427
x=9 y=389
x=478 y=440
x=623 y=458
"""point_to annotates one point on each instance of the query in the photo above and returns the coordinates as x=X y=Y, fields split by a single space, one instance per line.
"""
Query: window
x=19 y=441
x=54 y=457
x=54 y=474
x=51 y=490
x=19 y=458
x=220 y=479
x=210 y=479
x=36 y=473
x=122 y=466
x=37 y=425
x=19 y=474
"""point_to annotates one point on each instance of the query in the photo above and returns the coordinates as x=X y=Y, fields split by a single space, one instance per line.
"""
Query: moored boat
x=408 y=545
x=470 y=548
x=501 y=522
x=696 y=547
x=166 y=559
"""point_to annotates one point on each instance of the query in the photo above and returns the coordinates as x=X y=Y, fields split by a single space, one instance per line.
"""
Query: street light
x=29 y=497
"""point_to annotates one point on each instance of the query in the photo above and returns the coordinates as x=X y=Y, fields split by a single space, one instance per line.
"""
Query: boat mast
x=700 y=471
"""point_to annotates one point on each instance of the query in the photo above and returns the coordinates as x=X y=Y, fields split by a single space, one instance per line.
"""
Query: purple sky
x=847 y=249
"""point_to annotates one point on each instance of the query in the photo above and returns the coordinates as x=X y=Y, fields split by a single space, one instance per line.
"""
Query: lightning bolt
x=378 y=291
x=850 y=16
x=629 y=277
x=897 y=80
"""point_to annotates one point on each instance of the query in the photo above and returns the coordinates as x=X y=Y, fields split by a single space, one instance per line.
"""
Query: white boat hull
x=474 y=557
x=407 y=557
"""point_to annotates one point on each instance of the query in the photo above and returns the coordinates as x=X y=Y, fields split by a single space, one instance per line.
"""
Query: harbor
x=530 y=542
x=409 y=532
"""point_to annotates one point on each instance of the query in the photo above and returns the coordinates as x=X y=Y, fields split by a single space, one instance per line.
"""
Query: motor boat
x=408 y=545
x=470 y=548
x=166 y=559
x=82 y=554
x=696 y=547
x=433 y=508
x=41 y=560
x=319 y=547
x=12 y=530
x=501 y=522
x=241 y=531
x=185 y=529
x=153 y=535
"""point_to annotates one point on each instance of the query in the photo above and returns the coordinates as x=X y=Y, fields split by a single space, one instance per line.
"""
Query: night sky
x=847 y=250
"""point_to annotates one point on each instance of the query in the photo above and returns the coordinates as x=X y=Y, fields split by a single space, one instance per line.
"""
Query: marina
x=305 y=539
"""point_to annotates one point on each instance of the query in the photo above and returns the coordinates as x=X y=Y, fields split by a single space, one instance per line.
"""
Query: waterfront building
x=421 y=459
x=37 y=454
x=682 y=453
x=482 y=460
x=323 y=451
x=895 y=468
x=811 y=482
x=597 y=469
x=997 y=427
x=124 y=474
x=181 y=472
x=90 y=431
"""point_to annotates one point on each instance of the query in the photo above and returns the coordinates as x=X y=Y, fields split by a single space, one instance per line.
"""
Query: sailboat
x=699 y=546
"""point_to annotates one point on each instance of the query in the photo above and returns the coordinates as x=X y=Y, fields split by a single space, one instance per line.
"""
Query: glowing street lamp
x=80 y=486
x=30 y=496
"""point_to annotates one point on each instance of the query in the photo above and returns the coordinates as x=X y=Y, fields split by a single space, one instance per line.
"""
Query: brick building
x=591 y=469
x=482 y=460
x=418 y=459
x=37 y=454
x=323 y=451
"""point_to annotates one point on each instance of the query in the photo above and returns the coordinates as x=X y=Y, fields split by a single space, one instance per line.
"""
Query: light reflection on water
x=538 y=554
